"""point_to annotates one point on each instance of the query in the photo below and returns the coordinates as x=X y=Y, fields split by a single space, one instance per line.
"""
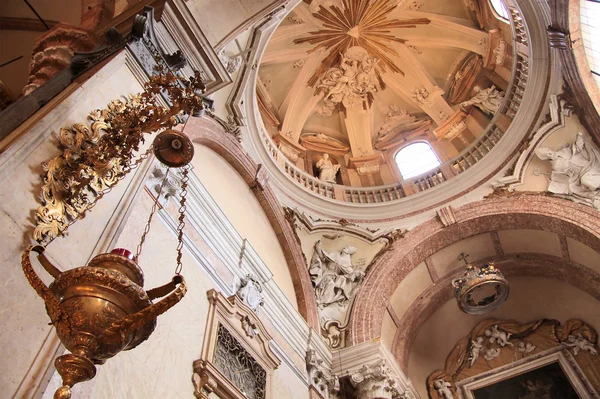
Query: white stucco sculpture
x=443 y=389
x=488 y=100
x=476 y=347
x=498 y=336
x=579 y=343
x=575 y=171
x=249 y=290
x=334 y=277
x=350 y=83
x=327 y=170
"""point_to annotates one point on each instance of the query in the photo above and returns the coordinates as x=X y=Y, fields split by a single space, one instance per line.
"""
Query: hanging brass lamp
x=101 y=309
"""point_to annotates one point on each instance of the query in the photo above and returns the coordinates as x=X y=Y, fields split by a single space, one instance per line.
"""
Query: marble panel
x=581 y=253
x=410 y=288
x=478 y=247
x=534 y=241
x=388 y=330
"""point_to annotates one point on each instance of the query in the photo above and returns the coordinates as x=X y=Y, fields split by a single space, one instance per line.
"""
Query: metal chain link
x=182 y=208
x=152 y=212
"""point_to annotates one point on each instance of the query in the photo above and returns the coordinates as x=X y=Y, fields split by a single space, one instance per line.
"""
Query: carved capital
x=376 y=380
x=320 y=376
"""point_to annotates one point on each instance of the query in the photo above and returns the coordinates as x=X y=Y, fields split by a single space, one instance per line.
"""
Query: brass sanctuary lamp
x=102 y=308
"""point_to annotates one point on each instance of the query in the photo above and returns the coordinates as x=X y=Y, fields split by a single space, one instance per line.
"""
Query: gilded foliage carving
x=95 y=158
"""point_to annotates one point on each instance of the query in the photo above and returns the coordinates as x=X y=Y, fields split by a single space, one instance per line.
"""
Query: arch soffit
x=538 y=212
x=208 y=132
x=515 y=264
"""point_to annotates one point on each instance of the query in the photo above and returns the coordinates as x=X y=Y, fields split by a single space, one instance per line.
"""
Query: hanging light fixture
x=480 y=290
x=102 y=308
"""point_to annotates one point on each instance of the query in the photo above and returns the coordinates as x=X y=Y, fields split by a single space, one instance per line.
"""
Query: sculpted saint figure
x=488 y=100
x=327 y=170
x=334 y=277
x=575 y=172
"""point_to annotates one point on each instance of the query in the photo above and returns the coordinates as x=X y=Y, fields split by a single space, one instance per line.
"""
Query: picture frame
x=516 y=371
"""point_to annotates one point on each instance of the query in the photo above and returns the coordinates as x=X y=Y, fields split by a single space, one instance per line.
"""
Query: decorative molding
x=189 y=38
x=228 y=319
x=367 y=22
x=558 y=109
x=320 y=377
x=372 y=363
x=446 y=216
x=494 y=346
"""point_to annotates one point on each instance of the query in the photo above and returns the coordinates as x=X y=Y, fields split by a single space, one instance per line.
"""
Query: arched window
x=500 y=9
x=590 y=31
x=415 y=159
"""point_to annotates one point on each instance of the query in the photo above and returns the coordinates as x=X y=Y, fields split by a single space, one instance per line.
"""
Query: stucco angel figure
x=334 y=277
x=327 y=170
x=575 y=171
x=488 y=100
x=498 y=336
x=443 y=389
x=476 y=347
x=578 y=343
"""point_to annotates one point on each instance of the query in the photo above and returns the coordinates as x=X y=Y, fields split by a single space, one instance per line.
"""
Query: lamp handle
x=53 y=307
x=127 y=324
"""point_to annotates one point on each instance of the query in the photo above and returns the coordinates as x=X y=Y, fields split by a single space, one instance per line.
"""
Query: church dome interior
x=307 y=199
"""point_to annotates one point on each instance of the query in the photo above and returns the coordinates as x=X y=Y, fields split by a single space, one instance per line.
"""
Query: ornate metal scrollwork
x=94 y=159
x=234 y=361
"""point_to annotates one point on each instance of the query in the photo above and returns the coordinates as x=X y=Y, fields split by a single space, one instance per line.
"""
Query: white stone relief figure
x=334 y=277
x=327 y=170
x=349 y=83
x=526 y=347
x=488 y=100
x=230 y=64
x=497 y=336
x=491 y=354
x=476 y=347
x=579 y=343
x=249 y=290
x=421 y=95
x=443 y=389
x=575 y=172
x=500 y=52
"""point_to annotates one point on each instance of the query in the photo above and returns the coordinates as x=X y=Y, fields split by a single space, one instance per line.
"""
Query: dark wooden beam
x=29 y=24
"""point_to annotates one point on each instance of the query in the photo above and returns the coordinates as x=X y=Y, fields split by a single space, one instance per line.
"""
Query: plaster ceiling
x=408 y=46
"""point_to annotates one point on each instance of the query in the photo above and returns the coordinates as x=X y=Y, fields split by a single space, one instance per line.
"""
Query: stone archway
x=537 y=212
x=210 y=133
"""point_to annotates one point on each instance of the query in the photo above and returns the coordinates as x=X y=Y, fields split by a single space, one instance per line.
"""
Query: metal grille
x=239 y=366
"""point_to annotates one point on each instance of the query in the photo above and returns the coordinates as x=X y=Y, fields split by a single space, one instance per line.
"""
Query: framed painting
x=552 y=374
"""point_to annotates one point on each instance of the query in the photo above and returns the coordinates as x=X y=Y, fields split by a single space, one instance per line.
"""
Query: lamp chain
x=182 y=208
x=152 y=212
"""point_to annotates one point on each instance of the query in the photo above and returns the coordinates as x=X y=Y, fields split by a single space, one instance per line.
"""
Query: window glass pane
x=415 y=159
x=590 y=32
x=500 y=8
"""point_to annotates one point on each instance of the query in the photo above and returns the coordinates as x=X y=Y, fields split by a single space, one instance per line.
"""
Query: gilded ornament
x=95 y=158
x=480 y=290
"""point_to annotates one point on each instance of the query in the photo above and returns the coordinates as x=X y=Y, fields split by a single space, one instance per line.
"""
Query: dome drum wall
x=385 y=204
